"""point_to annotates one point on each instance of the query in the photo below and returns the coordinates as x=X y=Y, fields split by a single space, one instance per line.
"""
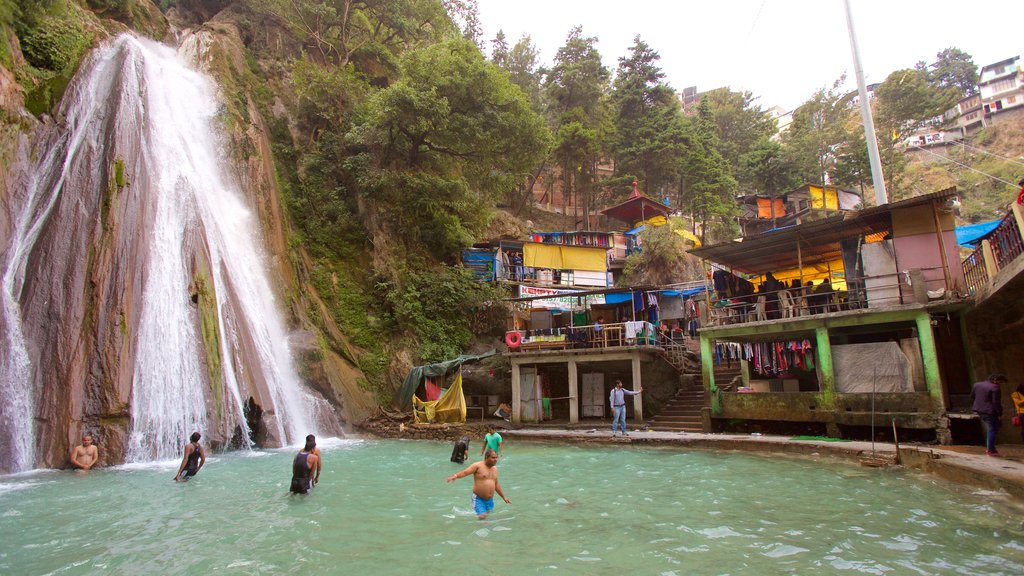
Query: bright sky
x=781 y=50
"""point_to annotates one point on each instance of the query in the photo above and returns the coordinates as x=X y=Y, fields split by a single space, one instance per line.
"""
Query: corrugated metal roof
x=819 y=241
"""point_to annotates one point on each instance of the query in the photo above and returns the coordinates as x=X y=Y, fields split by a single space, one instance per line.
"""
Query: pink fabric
x=433 y=392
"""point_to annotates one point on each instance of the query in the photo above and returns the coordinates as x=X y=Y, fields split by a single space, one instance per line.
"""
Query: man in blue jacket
x=988 y=405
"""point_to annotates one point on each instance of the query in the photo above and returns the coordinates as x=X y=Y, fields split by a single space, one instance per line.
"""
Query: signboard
x=558 y=299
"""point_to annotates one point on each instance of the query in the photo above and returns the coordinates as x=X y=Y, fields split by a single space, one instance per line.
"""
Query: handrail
x=996 y=251
x=751 y=307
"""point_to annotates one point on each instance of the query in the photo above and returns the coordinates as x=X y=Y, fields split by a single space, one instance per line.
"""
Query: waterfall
x=193 y=222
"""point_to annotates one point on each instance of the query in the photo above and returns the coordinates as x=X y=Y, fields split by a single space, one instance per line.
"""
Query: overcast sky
x=781 y=50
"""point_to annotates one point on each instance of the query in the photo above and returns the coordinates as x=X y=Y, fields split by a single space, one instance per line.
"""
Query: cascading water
x=196 y=238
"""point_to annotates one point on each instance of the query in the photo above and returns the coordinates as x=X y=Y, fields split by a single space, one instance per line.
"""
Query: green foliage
x=707 y=188
x=765 y=167
x=9 y=12
x=365 y=32
x=954 y=69
x=54 y=43
x=662 y=261
x=439 y=307
x=820 y=126
x=648 y=120
x=576 y=88
x=740 y=125
x=437 y=148
x=119 y=178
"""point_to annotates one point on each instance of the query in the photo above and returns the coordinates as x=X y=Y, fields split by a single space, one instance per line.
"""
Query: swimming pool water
x=383 y=507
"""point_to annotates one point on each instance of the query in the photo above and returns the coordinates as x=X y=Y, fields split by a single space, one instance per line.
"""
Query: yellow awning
x=560 y=257
x=815 y=273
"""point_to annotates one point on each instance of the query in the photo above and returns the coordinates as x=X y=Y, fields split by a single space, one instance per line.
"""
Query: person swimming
x=461 y=450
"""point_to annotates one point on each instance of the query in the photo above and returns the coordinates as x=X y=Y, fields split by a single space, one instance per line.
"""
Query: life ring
x=513 y=338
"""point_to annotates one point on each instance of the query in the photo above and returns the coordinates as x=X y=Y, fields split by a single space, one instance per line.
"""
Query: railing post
x=991 y=267
x=1018 y=215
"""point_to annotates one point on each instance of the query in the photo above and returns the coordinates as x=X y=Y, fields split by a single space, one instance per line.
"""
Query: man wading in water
x=194 y=459
x=85 y=455
x=485 y=483
x=305 y=468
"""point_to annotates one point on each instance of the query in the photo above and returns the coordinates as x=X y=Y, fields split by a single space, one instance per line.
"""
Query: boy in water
x=485 y=483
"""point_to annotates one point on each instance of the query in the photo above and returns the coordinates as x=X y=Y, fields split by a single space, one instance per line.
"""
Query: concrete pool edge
x=979 y=471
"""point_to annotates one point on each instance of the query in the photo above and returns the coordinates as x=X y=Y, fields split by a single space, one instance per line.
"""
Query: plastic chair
x=786 y=307
x=759 y=308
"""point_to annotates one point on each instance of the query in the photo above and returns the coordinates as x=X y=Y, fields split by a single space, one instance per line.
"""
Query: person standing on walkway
x=988 y=405
x=305 y=468
x=618 y=402
x=1018 y=404
x=492 y=440
x=194 y=459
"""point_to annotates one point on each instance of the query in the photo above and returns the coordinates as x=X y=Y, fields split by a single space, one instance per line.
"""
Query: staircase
x=682 y=413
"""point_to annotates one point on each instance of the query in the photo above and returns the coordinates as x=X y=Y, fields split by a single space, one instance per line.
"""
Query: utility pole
x=865 y=113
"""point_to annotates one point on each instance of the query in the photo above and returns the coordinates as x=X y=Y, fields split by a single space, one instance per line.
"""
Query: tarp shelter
x=418 y=375
x=559 y=257
x=871 y=367
x=450 y=407
x=686 y=234
x=969 y=236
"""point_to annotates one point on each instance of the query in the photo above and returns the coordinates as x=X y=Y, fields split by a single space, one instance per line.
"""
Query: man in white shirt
x=618 y=402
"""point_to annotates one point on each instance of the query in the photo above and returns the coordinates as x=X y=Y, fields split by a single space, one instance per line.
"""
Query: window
x=1011 y=99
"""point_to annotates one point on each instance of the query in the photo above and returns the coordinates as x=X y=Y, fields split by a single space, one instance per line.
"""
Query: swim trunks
x=481 y=506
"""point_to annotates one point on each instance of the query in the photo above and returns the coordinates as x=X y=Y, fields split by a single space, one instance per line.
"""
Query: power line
x=948 y=159
x=753 y=25
x=974 y=148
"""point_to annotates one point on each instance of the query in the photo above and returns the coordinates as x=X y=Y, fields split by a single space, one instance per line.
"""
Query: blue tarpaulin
x=617 y=297
x=636 y=230
x=968 y=236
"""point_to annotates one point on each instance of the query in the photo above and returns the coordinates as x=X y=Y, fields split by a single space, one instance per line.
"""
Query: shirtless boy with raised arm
x=85 y=455
x=485 y=483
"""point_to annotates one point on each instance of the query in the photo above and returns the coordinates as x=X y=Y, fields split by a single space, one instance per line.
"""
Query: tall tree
x=435 y=150
x=706 y=186
x=648 y=120
x=576 y=89
x=820 y=126
x=955 y=69
x=499 y=50
x=739 y=124
x=906 y=102
x=377 y=31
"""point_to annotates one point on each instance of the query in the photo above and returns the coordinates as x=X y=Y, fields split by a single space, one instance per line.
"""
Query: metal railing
x=613 y=335
x=861 y=292
x=996 y=251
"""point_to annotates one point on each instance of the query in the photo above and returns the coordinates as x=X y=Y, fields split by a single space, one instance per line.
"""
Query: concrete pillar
x=638 y=401
x=516 y=380
x=574 y=404
x=930 y=356
x=707 y=370
x=826 y=373
x=991 y=266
